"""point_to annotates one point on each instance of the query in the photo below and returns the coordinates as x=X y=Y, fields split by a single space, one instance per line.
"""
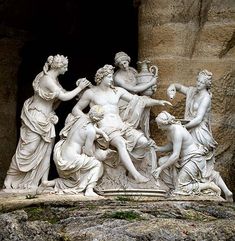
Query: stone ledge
x=15 y=201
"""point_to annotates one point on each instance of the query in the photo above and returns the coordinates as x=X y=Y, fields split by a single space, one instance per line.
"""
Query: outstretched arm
x=68 y=95
x=167 y=147
x=177 y=144
x=63 y=95
x=152 y=102
x=171 y=90
x=149 y=101
x=137 y=88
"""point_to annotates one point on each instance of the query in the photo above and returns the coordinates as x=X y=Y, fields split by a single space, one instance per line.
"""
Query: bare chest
x=106 y=98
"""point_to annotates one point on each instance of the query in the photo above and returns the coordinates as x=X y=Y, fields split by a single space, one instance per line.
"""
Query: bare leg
x=183 y=177
x=47 y=162
x=119 y=143
x=228 y=194
x=210 y=185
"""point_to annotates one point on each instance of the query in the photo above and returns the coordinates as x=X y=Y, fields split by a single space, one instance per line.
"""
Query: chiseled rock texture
x=120 y=219
x=182 y=38
x=13 y=35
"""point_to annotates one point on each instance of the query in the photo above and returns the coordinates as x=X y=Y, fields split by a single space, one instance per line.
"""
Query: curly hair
x=102 y=72
x=55 y=62
x=166 y=118
x=95 y=112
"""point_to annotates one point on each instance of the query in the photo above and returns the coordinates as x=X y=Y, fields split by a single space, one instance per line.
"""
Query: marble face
x=124 y=64
x=64 y=69
x=201 y=83
x=108 y=80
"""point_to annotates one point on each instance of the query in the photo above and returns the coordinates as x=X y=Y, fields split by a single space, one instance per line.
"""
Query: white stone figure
x=197 y=117
x=128 y=78
x=185 y=168
x=31 y=161
x=123 y=136
x=75 y=155
x=142 y=83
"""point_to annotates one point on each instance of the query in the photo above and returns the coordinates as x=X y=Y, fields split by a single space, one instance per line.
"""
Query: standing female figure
x=31 y=162
x=197 y=112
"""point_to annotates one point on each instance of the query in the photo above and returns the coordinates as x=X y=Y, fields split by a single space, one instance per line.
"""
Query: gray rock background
x=118 y=219
x=182 y=38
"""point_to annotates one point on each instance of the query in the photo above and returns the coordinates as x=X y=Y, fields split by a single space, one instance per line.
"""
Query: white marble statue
x=184 y=169
x=197 y=116
x=127 y=77
x=31 y=161
x=141 y=83
x=129 y=142
x=75 y=155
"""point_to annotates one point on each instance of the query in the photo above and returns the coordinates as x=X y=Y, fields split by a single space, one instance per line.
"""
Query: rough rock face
x=12 y=39
x=9 y=63
x=120 y=220
x=182 y=38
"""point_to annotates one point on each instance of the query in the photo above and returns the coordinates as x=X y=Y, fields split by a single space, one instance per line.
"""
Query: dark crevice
x=230 y=44
x=204 y=7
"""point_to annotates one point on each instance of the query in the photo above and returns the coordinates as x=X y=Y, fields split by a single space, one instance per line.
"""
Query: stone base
x=17 y=201
x=134 y=192
x=117 y=179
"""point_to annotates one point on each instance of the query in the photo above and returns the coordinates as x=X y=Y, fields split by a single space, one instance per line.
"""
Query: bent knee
x=119 y=143
x=143 y=141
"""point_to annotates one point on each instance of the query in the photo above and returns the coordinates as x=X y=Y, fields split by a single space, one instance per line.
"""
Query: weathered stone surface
x=183 y=37
x=9 y=63
x=13 y=35
x=118 y=219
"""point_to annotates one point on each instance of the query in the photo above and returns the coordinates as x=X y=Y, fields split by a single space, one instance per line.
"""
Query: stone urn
x=146 y=74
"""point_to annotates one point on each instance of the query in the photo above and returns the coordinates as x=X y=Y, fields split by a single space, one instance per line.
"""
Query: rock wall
x=9 y=63
x=120 y=219
x=182 y=38
x=14 y=17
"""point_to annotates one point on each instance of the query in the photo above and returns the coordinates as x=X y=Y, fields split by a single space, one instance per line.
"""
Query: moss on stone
x=126 y=215
x=42 y=213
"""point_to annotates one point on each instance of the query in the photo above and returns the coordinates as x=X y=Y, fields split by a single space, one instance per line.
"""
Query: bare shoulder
x=48 y=83
x=178 y=131
x=206 y=99
x=89 y=92
x=120 y=89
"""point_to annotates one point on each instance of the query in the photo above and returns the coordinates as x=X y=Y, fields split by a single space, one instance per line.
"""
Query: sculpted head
x=56 y=62
x=205 y=77
x=165 y=119
x=102 y=72
x=121 y=56
x=96 y=113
